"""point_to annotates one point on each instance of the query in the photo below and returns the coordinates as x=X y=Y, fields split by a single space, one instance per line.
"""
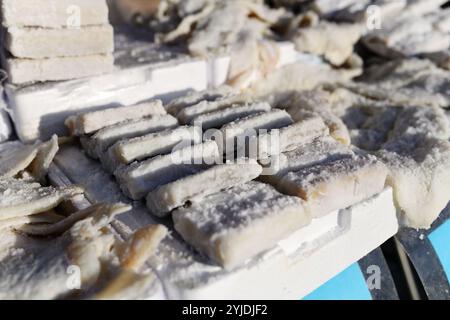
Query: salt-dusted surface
x=189 y=113
x=90 y=122
x=419 y=120
x=418 y=165
x=53 y=13
x=98 y=143
x=15 y=157
x=329 y=186
x=250 y=126
x=139 y=178
x=188 y=275
x=237 y=223
x=195 y=187
x=288 y=138
x=38 y=43
x=317 y=151
x=216 y=119
x=22 y=197
x=194 y=97
x=153 y=144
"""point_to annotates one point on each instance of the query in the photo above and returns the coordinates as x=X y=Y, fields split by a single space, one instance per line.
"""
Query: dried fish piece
x=26 y=71
x=23 y=197
x=248 y=127
x=195 y=97
x=21 y=222
x=63 y=225
x=325 y=186
x=142 y=245
x=90 y=122
x=126 y=151
x=305 y=104
x=281 y=83
x=320 y=150
x=99 y=143
x=288 y=138
x=418 y=165
x=38 y=43
x=236 y=224
x=44 y=157
x=216 y=119
x=138 y=179
x=188 y=114
x=195 y=187
x=52 y=13
x=430 y=121
x=15 y=158
x=334 y=41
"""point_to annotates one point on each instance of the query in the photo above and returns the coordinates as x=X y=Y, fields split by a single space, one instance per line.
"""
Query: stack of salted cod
x=202 y=171
x=46 y=253
x=410 y=137
x=49 y=40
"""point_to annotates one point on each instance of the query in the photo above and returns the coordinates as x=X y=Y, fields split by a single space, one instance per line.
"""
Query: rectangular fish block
x=138 y=179
x=150 y=145
x=106 y=137
x=53 y=13
x=251 y=126
x=322 y=149
x=91 y=122
x=216 y=119
x=290 y=137
x=335 y=185
x=193 y=188
x=238 y=223
x=21 y=71
x=37 y=43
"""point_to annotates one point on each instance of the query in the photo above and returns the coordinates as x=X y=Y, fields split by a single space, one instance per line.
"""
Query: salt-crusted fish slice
x=44 y=157
x=38 y=43
x=142 y=245
x=150 y=145
x=216 y=119
x=320 y=150
x=42 y=270
x=194 y=97
x=53 y=13
x=305 y=104
x=422 y=120
x=26 y=71
x=22 y=198
x=251 y=126
x=97 y=144
x=195 y=187
x=15 y=158
x=334 y=41
x=62 y=226
x=288 y=138
x=330 y=186
x=18 y=223
x=138 y=179
x=187 y=114
x=236 y=224
x=419 y=172
x=90 y=122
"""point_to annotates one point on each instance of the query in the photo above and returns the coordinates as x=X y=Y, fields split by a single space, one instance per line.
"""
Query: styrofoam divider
x=39 y=110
